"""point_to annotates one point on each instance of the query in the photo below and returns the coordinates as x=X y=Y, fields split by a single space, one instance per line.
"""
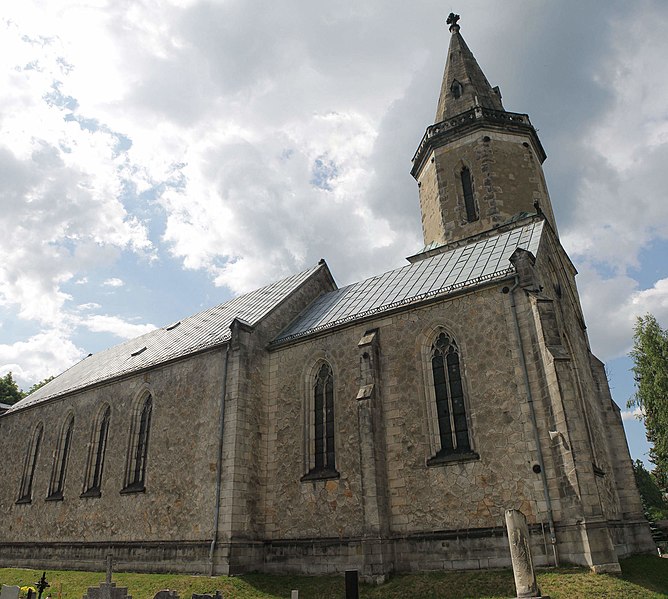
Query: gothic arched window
x=320 y=425
x=25 y=492
x=448 y=393
x=469 y=200
x=135 y=477
x=457 y=89
x=98 y=446
x=57 y=484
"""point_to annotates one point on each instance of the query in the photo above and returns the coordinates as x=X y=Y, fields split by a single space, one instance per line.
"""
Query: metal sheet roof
x=194 y=333
x=461 y=267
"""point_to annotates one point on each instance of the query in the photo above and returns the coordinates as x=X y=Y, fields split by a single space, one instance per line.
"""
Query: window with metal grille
x=469 y=200
x=449 y=392
x=136 y=468
x=25 y=492
x=98 y=447
x=322 y=462
x=57 y=484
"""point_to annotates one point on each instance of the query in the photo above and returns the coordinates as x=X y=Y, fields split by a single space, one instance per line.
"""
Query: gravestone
x=107 y=590
x=520 y=555
x=9 y=592
x=166 y=594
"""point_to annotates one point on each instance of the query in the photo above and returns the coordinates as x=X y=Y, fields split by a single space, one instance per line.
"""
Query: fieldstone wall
x=177 y=504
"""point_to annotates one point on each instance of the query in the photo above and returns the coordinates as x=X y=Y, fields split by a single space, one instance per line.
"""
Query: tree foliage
x=650 y=357
x=651 y=494
x=9 y=390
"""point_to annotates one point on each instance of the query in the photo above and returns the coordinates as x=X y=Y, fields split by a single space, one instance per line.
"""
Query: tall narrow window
x=456 y=88
x=93 y=486
x=57 y=484
x=25 y=492
x=322 y=462
x=469 y=200
x=136 y=469
x=453 y=431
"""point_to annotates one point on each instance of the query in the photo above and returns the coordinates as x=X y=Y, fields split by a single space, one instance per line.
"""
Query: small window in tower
x=457 y=89
x=469 y=200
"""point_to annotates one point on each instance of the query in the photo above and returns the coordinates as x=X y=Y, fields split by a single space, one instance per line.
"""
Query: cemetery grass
x=644 y=577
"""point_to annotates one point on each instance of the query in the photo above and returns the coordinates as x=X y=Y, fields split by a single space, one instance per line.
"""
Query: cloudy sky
x=158 y=157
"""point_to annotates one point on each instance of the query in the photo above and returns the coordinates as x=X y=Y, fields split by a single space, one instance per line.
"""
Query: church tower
x=479 y=165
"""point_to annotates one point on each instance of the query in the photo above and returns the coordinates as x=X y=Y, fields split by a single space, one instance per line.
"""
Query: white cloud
x=103 y=323
x=42 y=355
x=636 y=414
x=113 y=282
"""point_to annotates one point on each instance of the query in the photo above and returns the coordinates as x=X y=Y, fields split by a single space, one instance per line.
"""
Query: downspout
x=219 y=464
x=532 y=413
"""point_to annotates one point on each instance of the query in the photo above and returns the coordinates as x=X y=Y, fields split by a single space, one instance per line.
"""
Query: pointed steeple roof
x=464 y=84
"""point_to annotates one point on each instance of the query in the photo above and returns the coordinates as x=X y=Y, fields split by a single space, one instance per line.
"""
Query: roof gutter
x=219 y=463
x=534 y=424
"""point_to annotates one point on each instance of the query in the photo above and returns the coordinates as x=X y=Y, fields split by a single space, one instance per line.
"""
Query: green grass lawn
x=643 y=577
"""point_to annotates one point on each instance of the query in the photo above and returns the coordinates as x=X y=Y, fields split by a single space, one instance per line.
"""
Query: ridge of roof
x=465 y=266
x=198 y=332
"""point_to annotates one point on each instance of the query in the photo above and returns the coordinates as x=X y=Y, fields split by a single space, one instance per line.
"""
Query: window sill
x=55 y=497
x=133 y=488
x=92 y=493
x=448 y=458
x=320 y=475
x=23 y=500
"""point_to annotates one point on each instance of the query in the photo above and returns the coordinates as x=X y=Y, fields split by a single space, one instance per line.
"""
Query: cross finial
x=452 y=21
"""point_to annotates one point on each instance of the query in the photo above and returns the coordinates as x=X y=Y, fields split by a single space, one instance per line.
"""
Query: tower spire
x=464 y=84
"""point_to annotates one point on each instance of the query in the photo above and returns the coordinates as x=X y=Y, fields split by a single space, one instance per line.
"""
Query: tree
x=9 y=390
x=40 y=384
x=650 y=358
x=651 y=495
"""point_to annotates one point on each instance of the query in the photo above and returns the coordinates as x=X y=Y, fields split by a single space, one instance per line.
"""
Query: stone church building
x=384 y=426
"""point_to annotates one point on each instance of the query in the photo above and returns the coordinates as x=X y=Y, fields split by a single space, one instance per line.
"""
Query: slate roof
x=192 y=334
x=461 y=267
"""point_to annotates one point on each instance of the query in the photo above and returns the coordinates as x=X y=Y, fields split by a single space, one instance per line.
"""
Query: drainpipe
x=219 y=464
x=532 y=412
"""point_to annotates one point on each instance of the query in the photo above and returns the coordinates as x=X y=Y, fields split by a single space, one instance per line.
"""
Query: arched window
x=57 y=484
x=320 y=423
x=469 y=200
x=98 y=446
x=25 y=492
x=448 y=395
x=457 y=89
x=138 y=451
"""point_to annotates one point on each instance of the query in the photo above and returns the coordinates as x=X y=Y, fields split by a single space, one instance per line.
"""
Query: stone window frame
x=309 y=379
x=97 y=450
x=436 y=456
x=30 y=464
x=60 y=459
x=138 y=442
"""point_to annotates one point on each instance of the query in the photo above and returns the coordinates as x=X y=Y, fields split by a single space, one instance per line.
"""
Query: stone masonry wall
x=178 y=502
x=458 y=495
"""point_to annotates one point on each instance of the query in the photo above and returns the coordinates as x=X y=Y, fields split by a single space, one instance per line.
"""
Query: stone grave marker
x=9 y=592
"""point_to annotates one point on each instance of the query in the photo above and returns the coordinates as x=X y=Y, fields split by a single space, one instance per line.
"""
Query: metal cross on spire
x=452 y=21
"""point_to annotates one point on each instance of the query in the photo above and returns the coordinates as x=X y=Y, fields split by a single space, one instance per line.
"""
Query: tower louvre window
x=469 y=200
x=457 y=89
x=57 y=485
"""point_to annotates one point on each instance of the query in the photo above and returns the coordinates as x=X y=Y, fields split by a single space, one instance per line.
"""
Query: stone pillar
x=377 y=563
x=520 y=554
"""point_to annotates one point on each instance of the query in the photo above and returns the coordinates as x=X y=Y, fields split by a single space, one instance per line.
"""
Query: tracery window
x=469 y=200
x=25 y=492
x=57 y=484
x=320 y=425
x=135 y=477
x=98 y=447
x=452 y=430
